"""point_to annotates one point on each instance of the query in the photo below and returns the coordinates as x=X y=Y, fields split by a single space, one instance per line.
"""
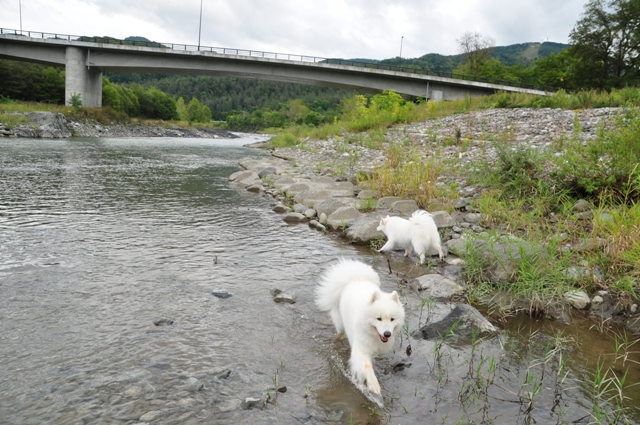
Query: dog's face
x=386 y=315
x=383 y=224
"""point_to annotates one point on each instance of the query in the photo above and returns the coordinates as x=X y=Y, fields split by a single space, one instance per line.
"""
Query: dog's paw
x=374 y=387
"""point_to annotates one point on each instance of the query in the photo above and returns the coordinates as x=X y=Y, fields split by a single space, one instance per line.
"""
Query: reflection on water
x=99 y=238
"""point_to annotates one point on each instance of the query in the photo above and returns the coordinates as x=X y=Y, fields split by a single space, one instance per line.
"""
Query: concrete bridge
x=85 y=59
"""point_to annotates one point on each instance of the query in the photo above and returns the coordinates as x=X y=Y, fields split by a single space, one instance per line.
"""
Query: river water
x=102 y=238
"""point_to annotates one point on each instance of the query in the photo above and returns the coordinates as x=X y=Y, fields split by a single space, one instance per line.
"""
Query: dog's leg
x=362 y=370
x=387 y=247
x=422 y=258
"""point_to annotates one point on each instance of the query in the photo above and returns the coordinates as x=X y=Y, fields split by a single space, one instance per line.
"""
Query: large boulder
x=365 y=229
x=343 y=217
x=463 y=321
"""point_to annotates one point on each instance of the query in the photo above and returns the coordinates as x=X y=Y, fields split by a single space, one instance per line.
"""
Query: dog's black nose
x=387 y=334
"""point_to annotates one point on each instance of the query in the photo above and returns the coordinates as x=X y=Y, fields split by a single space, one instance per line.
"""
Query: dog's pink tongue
x=383 y=339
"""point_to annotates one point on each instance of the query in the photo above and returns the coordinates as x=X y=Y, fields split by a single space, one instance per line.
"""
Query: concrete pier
x=81 y=79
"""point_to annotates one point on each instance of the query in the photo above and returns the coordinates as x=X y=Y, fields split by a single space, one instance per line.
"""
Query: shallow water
x=99 y=238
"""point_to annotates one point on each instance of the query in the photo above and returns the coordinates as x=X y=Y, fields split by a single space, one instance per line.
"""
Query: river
x=100 y=239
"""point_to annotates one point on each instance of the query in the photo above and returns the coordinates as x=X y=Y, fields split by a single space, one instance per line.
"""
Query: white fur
x=419 y=232
x=370 y=318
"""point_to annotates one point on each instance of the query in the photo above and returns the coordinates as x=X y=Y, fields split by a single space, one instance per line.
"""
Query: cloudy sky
x=375 y=29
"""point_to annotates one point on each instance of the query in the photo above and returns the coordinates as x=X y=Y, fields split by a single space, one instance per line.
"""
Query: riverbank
x=54 y=125
x=317 y=184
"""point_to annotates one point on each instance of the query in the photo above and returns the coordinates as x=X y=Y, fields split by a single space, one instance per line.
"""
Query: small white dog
x=350 y=291
x=419 y=232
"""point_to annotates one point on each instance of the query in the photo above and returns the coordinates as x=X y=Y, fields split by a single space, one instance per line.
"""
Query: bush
x=155 y=104
x=607 y=166
x=197 y=112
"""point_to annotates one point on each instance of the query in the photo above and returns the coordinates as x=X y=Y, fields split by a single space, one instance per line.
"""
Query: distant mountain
x=523 y=53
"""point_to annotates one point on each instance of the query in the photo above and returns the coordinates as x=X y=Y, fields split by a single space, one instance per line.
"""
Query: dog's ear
x=395 y=297
x=376 y=296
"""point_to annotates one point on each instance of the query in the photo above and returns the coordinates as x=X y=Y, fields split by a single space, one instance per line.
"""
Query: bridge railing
x=280 y=56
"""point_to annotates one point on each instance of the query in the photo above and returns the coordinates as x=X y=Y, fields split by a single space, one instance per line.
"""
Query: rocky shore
x=53 y=125
x=317 y=185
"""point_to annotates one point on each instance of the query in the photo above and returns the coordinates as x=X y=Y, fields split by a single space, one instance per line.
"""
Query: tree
x=606 y=44
x=197 y=112
x=476 y=49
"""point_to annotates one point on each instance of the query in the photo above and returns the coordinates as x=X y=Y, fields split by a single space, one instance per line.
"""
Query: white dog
x=350 y=291
x=419 y=232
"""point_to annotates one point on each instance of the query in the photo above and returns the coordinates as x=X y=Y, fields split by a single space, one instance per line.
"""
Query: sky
x=373 y=29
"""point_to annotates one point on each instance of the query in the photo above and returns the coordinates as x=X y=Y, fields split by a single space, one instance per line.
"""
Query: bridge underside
x=86 y=62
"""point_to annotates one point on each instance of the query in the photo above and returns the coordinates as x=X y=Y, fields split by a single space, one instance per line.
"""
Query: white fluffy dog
x=350 y=291
x=419 y=232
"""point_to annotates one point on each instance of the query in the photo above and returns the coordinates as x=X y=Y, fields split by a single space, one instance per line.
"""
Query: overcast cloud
x=332 y=28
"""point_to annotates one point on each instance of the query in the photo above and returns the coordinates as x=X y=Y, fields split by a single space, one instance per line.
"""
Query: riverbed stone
x=443 y=219
x=386 y=202
x=589 y=245
x=293 y=217
x=268 y=171
x=229 y=405
x=152 y=415
x=578 y=299
x=310 y=213
x=221 y=293
x=582 y=205
x=328 y=207
x=365 y=229
x=404 y=207
x=299 y=208
x=343 y=217
x=250 y=403
x=256 y=188
x=193 y=384
x=463 y=321
x=369 y=194
x=296 y=188
x=280 y=208
x=438 y=286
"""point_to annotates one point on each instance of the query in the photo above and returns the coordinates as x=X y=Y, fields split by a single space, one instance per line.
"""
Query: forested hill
x=523 y=53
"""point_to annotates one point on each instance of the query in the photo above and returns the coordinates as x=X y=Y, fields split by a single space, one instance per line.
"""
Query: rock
x=582 y=206
x=163 y=322
x=310 y=213
x=473 y=218
x=151 y=416
x=633 y=308
x=280 y=209
x=250 y=402
x=296 y=188
x=368 y=194
x=597 y=300
x=267 y=171
x=343 y=217
x=323 y=218
x=334 y=416
x=220 y=293
x=468 y=319
x=438 y=286
x=327 y=207
x=443 y=219
x=229 y=405
x=578 y=299
x=589 y=245
x=299 y=208
x=293 y=217
x=404 y=207
x=284 y=299
x=256 y=188
x=365 y=229
x=193 y=384
x=386 y=202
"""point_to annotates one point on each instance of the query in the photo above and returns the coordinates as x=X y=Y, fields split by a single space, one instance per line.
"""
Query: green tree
x=155 y=104
x=197 y=112
x=606 y=44
x=181 y=109
x=476 y=49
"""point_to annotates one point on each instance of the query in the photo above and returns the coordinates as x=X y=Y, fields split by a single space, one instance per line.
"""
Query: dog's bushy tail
x=336 y=277
x=426 y=234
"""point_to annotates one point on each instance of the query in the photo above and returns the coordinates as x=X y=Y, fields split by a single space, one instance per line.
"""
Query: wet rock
x=251 y=403
x=193 y=384
x=280 y=209
x=152 y=416
x=221 y=293
x=365 y=229
x=284 y=299
x=293 y=217
x=256 y=188
x=163 y=322
x=343 y=217
x=314 y=224
x=310 y=213
x=463 y=321
x=328 y=207
x=334 y=416
x=229 y=405
x=578 y=299
x=438 y=286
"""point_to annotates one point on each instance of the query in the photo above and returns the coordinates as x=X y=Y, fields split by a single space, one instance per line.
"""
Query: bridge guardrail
x=281 y=56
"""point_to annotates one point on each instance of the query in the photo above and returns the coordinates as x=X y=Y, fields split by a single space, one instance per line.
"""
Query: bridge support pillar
x=81 y=79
